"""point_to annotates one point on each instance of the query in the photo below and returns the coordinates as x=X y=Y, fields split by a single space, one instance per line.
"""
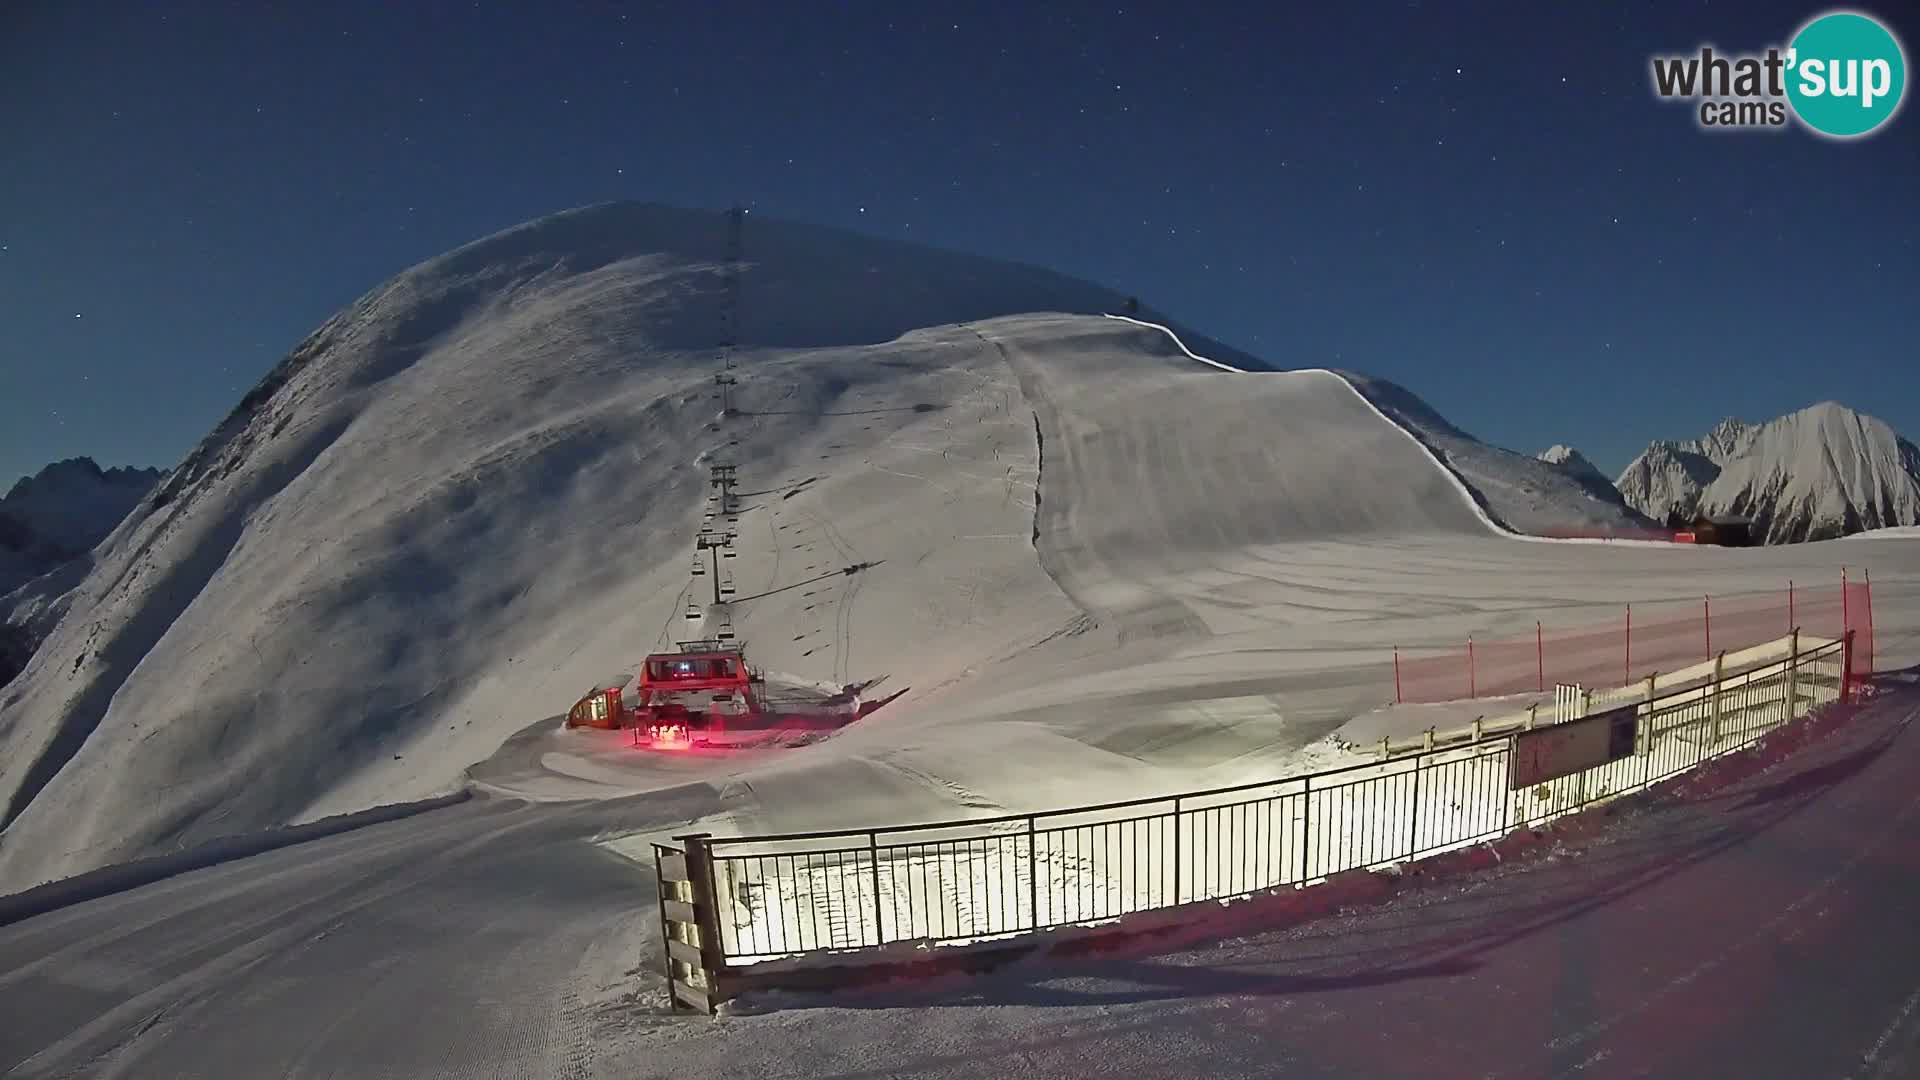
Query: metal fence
x=1639 y=639
x=983 y=879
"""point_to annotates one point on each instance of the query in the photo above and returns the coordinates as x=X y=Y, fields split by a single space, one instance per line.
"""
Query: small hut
x=1725 y=530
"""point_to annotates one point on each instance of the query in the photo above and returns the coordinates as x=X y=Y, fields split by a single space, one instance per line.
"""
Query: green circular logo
x=1846 y=74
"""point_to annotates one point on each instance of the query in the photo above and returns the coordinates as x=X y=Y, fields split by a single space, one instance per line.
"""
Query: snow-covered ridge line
x=1459 y=484
x=1167 y=330
x=1453 y=478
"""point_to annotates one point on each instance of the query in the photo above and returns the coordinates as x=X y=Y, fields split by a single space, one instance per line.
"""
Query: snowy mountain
x=53 y=518
x=471 y=494
x=1728 y=439
x=1665 y=481
x=1822 y=472
x=71 y=505
x=61 y=512
x=1573 y=462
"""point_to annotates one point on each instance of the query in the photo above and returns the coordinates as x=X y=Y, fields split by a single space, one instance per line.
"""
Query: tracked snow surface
x=1095 y=568
x=1092 y=564
x=1822 y=472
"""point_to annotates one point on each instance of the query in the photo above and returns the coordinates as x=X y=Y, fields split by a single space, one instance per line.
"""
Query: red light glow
x=669 y=736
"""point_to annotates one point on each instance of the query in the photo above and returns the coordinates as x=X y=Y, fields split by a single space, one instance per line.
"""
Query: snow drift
x=1822 y=472
x=472 y=493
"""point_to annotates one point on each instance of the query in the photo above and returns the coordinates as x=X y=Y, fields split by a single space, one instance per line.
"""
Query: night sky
x=1483 y=202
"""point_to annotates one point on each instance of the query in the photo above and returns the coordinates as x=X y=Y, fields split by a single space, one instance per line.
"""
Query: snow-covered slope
x=1522 y=493
x=470 y=495
x=1822 y=472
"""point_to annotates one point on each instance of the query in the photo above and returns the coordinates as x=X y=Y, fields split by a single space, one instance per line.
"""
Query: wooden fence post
x=698 y=910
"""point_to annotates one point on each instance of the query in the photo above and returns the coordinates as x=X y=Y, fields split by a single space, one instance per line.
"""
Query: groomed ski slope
x=1092 y=563
x=1098 y=568
x=471 y=495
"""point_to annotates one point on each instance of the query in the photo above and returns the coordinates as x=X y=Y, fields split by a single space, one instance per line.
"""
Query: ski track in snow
x=1203 y=593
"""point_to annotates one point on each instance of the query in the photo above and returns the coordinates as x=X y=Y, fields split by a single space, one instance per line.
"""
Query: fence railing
x=1637 y=640
x=1572 y=701
x=737 y=901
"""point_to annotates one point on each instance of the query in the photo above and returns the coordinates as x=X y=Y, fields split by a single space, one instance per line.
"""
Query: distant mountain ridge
x=62 y=511
x=1575 y=464
x=1818 y=473
x=52 y=518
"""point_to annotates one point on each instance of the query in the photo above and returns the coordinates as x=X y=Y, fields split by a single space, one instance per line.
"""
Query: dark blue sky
x=1484 y=202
